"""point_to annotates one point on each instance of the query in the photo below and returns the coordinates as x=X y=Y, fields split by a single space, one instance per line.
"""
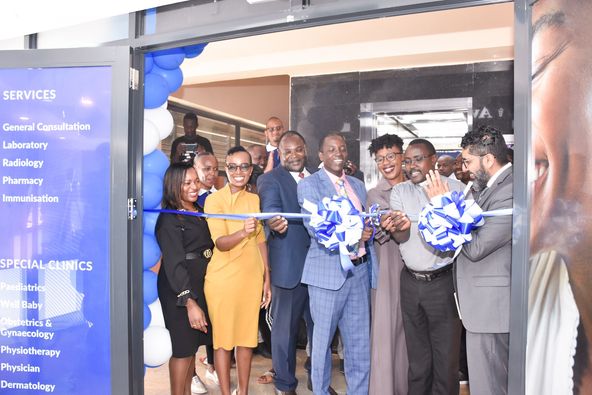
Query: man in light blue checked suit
x=338 y=299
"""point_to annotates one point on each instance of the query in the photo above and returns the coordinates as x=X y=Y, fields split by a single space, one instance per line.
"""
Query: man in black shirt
x=186 y=147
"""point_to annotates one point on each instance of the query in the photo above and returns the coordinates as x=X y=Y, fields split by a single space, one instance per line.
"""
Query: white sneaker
x=197 y=387
x=213 y=377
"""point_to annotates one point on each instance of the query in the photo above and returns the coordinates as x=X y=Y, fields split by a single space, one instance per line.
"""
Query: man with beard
x=484 y=264
x=432 y=326
x=288 y=244
x=338 y=287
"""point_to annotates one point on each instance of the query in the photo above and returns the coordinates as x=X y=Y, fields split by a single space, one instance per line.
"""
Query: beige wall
x=255 y=99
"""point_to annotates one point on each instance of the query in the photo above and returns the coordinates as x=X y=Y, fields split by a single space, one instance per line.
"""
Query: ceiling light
x=259 y=1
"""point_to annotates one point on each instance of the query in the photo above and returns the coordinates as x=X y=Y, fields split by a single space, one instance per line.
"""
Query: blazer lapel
x=328 y=189
x=285 y=174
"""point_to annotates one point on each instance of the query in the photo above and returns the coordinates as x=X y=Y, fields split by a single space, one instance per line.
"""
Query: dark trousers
x=288 y=307
x=265 y=330
x=432 y=333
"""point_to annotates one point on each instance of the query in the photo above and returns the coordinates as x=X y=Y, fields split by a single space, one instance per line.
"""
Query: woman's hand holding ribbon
x=250 y=226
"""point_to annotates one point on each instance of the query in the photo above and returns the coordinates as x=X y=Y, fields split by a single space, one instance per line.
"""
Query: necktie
x=341 y=187
x=276 y=158
x=301 y=175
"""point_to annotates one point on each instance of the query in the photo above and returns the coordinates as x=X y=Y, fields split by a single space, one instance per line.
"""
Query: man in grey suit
x=339 y=297
x=484 y=265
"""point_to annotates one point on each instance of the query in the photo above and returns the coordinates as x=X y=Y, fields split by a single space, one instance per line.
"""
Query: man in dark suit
x=339 y=296
x=287 y=244
x=484 y=265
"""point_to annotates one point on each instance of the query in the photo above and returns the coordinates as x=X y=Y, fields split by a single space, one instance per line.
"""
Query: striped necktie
x=341 y=185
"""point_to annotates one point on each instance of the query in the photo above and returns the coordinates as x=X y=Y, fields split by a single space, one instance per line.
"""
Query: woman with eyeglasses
x=237 y=282
x=186 y=248
x=388 y=363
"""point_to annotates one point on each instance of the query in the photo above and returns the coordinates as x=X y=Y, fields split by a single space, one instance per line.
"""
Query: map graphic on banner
x=55 y=128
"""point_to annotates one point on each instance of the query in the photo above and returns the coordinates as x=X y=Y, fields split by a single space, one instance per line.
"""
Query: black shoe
x=309 y=386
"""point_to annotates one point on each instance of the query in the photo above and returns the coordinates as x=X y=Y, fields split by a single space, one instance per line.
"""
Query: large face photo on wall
x=560 y=296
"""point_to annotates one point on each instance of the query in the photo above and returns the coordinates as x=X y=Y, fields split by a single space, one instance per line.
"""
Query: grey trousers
x=487 y=357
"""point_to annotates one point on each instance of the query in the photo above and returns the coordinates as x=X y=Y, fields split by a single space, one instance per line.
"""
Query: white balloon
x=156 y=314
x=151 y=137
x=162 y=119
x=157 y=346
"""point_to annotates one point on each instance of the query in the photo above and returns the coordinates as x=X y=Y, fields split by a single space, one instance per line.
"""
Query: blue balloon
x=150 y=250
x=152 y=190
x=173 y=77
x=192 y=51
x=169 y=58
x=156 y=90
x=149 y=220
x=150 y=290
x=156 y=162
x=148 y=63
x=147 y=316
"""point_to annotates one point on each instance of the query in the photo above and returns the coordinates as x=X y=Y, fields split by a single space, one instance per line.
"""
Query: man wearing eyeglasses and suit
x=484 y=265
x=274 y=128
x=431 y=322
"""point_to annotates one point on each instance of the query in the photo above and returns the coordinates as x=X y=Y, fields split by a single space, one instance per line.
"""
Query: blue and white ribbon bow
x=338 y=225
x=447 y=221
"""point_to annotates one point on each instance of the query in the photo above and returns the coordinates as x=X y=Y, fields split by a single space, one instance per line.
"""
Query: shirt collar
x=333 y=177
x=270 y=147
x=203 y=190
x=497 y=174
x=297 y=173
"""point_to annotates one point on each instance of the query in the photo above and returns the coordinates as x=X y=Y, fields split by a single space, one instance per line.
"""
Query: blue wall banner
x=55 y=133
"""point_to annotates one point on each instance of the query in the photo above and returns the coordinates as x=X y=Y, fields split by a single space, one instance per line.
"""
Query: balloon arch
x=163 y=76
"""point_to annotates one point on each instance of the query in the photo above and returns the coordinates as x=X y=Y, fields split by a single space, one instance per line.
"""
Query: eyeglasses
x=232 y=168
x=275 y=128
x=391 y=156
x=417 y=160
x=466 y=162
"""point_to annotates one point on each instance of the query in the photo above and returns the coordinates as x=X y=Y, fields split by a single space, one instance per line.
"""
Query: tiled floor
x=156 y=381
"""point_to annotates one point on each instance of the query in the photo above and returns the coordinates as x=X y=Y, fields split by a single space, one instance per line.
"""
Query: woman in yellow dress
x=238 y=274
